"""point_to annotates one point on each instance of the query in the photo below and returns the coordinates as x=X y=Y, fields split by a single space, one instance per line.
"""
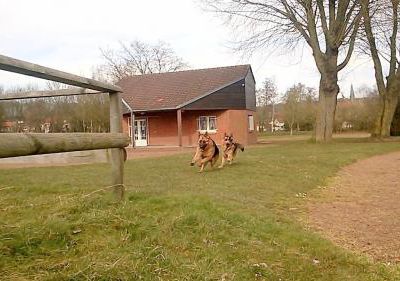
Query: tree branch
x=351 y=44
x=373 y=47
x=393 y=38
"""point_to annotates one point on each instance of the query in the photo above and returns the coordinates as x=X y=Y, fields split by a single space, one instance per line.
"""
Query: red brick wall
x=125 y=124
x=162 y=126
x=238 y=125
x=190 y=125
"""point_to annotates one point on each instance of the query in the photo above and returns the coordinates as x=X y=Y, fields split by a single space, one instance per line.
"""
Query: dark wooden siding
x=250 y=90
x=230 y=97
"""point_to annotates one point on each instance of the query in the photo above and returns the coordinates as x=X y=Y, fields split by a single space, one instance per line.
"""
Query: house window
x=207 y=124
x=251 y=123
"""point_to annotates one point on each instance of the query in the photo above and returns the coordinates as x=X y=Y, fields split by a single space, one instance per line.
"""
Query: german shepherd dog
x=229 y=149
x=207 y=151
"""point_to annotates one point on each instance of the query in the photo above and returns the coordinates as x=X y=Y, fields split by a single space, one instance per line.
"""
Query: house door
x=141 y=132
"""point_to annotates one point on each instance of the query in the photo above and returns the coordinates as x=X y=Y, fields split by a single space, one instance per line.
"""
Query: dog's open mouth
x=202 y=145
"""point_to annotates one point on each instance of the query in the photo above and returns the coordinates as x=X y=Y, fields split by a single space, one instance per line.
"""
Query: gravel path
x=362 y=208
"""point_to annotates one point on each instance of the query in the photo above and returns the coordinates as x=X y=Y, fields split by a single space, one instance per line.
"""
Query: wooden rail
x=22 y=144
x=38 y=71
x=48 y=94
x=12 y=145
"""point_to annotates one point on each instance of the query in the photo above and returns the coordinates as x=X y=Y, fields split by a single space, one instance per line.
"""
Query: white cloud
x=67 y=35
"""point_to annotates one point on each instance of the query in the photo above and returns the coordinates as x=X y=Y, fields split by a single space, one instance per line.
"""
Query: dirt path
x=147 y=152
x=362 y=208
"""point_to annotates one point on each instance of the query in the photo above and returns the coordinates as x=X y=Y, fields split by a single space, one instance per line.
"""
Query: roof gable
x=175 y=89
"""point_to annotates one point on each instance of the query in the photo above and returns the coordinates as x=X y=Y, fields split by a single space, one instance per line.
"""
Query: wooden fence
x=12 y=145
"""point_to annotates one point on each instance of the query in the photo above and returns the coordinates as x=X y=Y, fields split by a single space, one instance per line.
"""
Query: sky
x=68 y=35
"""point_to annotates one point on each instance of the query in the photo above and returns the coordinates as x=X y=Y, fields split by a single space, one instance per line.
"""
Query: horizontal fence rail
x=35 y=70
x=13 y=145
x=48 y=94
x=23 y=144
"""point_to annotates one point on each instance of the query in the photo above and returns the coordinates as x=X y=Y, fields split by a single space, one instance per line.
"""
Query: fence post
x=117 y=154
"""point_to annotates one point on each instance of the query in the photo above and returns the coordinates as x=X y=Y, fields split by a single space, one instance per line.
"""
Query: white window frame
x=250 y=122
x=130 y=127
x=208 y=124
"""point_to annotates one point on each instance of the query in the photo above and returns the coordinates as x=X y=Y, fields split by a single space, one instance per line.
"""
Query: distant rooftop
x=170 y=90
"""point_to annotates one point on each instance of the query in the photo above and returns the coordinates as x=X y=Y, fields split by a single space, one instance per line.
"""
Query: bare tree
x=329 y=28
x=308 y=108
x=291 y=106
x=298 y=107
x=381 y=20
x=357 y=114
x=52 y=85
x=139 y=58
x=266 y=100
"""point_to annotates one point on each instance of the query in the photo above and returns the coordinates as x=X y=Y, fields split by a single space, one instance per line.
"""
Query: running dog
x=229 y=149
x=207 y=151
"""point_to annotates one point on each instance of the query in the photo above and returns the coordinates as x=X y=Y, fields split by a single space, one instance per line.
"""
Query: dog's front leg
x=196 y=157
x=203 y=164
x=202 y=168
x=222 y=162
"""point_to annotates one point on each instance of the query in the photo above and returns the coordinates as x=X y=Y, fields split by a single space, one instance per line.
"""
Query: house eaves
x=208 y=93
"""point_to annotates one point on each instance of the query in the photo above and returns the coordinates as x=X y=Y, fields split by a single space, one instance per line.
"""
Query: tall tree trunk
x=388 y=105
x=273 y=118
x=292 y=124
x=328 y=90
x=389 y=91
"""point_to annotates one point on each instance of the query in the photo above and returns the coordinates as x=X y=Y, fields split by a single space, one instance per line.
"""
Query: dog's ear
x=231 y=135
x=199 y=133
x=225 y=134
x=206 y=134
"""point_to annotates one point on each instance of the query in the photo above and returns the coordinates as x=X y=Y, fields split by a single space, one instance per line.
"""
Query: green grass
x=176 y=224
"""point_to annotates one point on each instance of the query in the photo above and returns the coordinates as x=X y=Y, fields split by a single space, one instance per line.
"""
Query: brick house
x=171 y=108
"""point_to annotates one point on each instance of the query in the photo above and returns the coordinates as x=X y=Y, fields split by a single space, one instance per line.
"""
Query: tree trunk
x=383 y=123
x=291 y=128
x=273 y=118
x=328 y=90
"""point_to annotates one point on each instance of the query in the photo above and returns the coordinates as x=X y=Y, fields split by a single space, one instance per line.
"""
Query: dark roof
x=172 y=90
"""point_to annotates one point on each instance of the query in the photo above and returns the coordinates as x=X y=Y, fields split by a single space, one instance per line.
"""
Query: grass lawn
x=239 y=223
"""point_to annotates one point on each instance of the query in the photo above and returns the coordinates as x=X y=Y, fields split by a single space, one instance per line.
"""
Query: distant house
x=277 y=125
x=171 y=108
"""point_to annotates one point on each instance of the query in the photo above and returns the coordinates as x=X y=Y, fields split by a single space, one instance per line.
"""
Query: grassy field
x=239 y=223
